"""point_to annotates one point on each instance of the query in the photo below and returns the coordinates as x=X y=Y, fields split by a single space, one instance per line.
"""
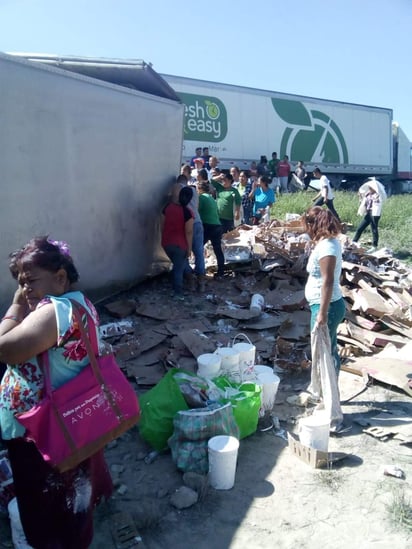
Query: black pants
x=373 y=221
x=329 y=204
x=214 y=234
x=227 y=225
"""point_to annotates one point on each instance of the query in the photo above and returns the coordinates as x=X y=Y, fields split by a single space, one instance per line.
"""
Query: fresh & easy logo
x=205 y=118
x=311 y=135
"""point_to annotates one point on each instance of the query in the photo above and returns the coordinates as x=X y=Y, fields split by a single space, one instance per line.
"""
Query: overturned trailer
x=89 y=148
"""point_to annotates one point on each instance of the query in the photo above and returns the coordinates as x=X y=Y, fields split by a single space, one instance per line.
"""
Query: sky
x=357 y=51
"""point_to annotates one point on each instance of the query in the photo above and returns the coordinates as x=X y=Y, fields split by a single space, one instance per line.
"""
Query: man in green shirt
x=228 y=202
x=273 y=171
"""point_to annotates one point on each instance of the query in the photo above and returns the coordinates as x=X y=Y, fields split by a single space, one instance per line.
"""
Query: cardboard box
x=315 y=458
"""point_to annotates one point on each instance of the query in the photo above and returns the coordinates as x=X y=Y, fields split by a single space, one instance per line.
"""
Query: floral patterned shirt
x=22 y=385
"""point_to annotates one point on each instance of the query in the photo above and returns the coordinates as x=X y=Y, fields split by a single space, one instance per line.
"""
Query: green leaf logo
x=311 y=136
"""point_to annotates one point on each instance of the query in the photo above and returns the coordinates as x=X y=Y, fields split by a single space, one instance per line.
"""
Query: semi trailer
x=347 y=141
x=89 y=149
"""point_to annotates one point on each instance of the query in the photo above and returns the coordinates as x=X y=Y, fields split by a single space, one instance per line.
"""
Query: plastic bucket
x=247 y=353
x=229 y=361
x=261 y=369
x=222 y=451
x=270 y=383
x=314 y=431
x=208 y=365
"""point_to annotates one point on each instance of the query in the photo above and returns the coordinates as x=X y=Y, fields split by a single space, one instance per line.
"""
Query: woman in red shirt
x=177 y=234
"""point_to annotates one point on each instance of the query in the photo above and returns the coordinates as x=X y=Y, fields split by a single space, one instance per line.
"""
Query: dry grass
x=400 y=511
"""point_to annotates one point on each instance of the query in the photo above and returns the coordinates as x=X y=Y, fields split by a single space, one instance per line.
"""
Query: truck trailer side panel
x=87 y=162
x=241 y=124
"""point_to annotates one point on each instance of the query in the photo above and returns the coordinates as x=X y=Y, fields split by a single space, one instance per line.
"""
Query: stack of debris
x=270 y=260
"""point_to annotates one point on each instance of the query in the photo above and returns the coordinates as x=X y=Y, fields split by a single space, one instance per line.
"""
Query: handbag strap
x=89 y=340
x=77 y=309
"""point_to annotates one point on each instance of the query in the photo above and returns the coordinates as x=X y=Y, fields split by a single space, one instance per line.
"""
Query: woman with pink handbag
x=56 y=509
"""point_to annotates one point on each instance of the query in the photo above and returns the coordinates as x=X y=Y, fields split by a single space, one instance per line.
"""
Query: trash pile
x=269 y=261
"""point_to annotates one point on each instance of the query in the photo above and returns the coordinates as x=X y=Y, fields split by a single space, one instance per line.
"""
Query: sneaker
x=178 y=297
x=219 y=276
x=371 y=250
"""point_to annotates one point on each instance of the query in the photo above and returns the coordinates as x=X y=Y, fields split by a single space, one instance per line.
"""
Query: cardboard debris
x=315 y=458
x=116 y=329
x=150 y=339
x=237 y=313
x=398 y=425
x=156 y=311
x=145 y=375
x=121 y=308
x=392 y=371
x=127 y=349
x=200 y=324
x=197 y=342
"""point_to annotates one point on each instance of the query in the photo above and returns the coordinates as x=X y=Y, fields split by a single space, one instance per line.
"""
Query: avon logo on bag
x=80 y=410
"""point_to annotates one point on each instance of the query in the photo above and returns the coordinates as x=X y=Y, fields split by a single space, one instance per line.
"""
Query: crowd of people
x=206 y=203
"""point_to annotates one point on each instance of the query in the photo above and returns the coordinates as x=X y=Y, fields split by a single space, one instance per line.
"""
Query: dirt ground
x=277 y=500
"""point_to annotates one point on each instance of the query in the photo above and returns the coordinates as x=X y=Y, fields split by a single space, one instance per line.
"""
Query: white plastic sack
x=324 y=382
x=17 y=532
x=362 y=207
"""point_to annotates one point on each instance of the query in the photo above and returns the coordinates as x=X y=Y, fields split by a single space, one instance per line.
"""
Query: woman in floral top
x=56 y=509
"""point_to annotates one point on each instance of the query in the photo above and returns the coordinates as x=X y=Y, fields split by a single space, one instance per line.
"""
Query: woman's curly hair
x=47 y=254
x=320 y=223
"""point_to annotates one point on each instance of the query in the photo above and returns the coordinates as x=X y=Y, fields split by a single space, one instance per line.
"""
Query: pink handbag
x=79 y=418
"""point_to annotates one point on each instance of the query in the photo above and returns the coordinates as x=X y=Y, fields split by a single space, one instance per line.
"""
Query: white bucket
x=247 y=353
x=257 y=303
x=229 y=361
x=314 y=431
x=270 y=383
x=261 y=369
x=222 y=451
x=208 y=365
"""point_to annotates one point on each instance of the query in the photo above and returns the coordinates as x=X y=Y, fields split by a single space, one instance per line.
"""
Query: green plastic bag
x=158 y=408
x=245 y=399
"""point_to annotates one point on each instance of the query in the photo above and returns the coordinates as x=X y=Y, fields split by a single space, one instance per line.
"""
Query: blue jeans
x=247 y=214
x=197 y=247
x=178 y=257
x=336 y=313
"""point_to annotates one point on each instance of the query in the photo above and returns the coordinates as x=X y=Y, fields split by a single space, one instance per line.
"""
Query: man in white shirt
x=325 y=195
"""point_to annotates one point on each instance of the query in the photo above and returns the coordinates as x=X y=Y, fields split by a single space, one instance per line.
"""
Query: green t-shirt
x=273 y=167
x=226 y=200
x=208 y=209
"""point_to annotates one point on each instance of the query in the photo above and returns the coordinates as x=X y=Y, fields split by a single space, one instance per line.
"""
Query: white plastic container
x=208 y=365
x=270 y=383
x=314 y=431
x=262 y=369
x=247 y=354
x=222 y=452
x=257 y=303
x=229 y=362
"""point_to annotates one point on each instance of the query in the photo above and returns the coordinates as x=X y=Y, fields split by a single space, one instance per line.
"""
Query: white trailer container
x=402 y=173
x=88 y=162
x=240 y=124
